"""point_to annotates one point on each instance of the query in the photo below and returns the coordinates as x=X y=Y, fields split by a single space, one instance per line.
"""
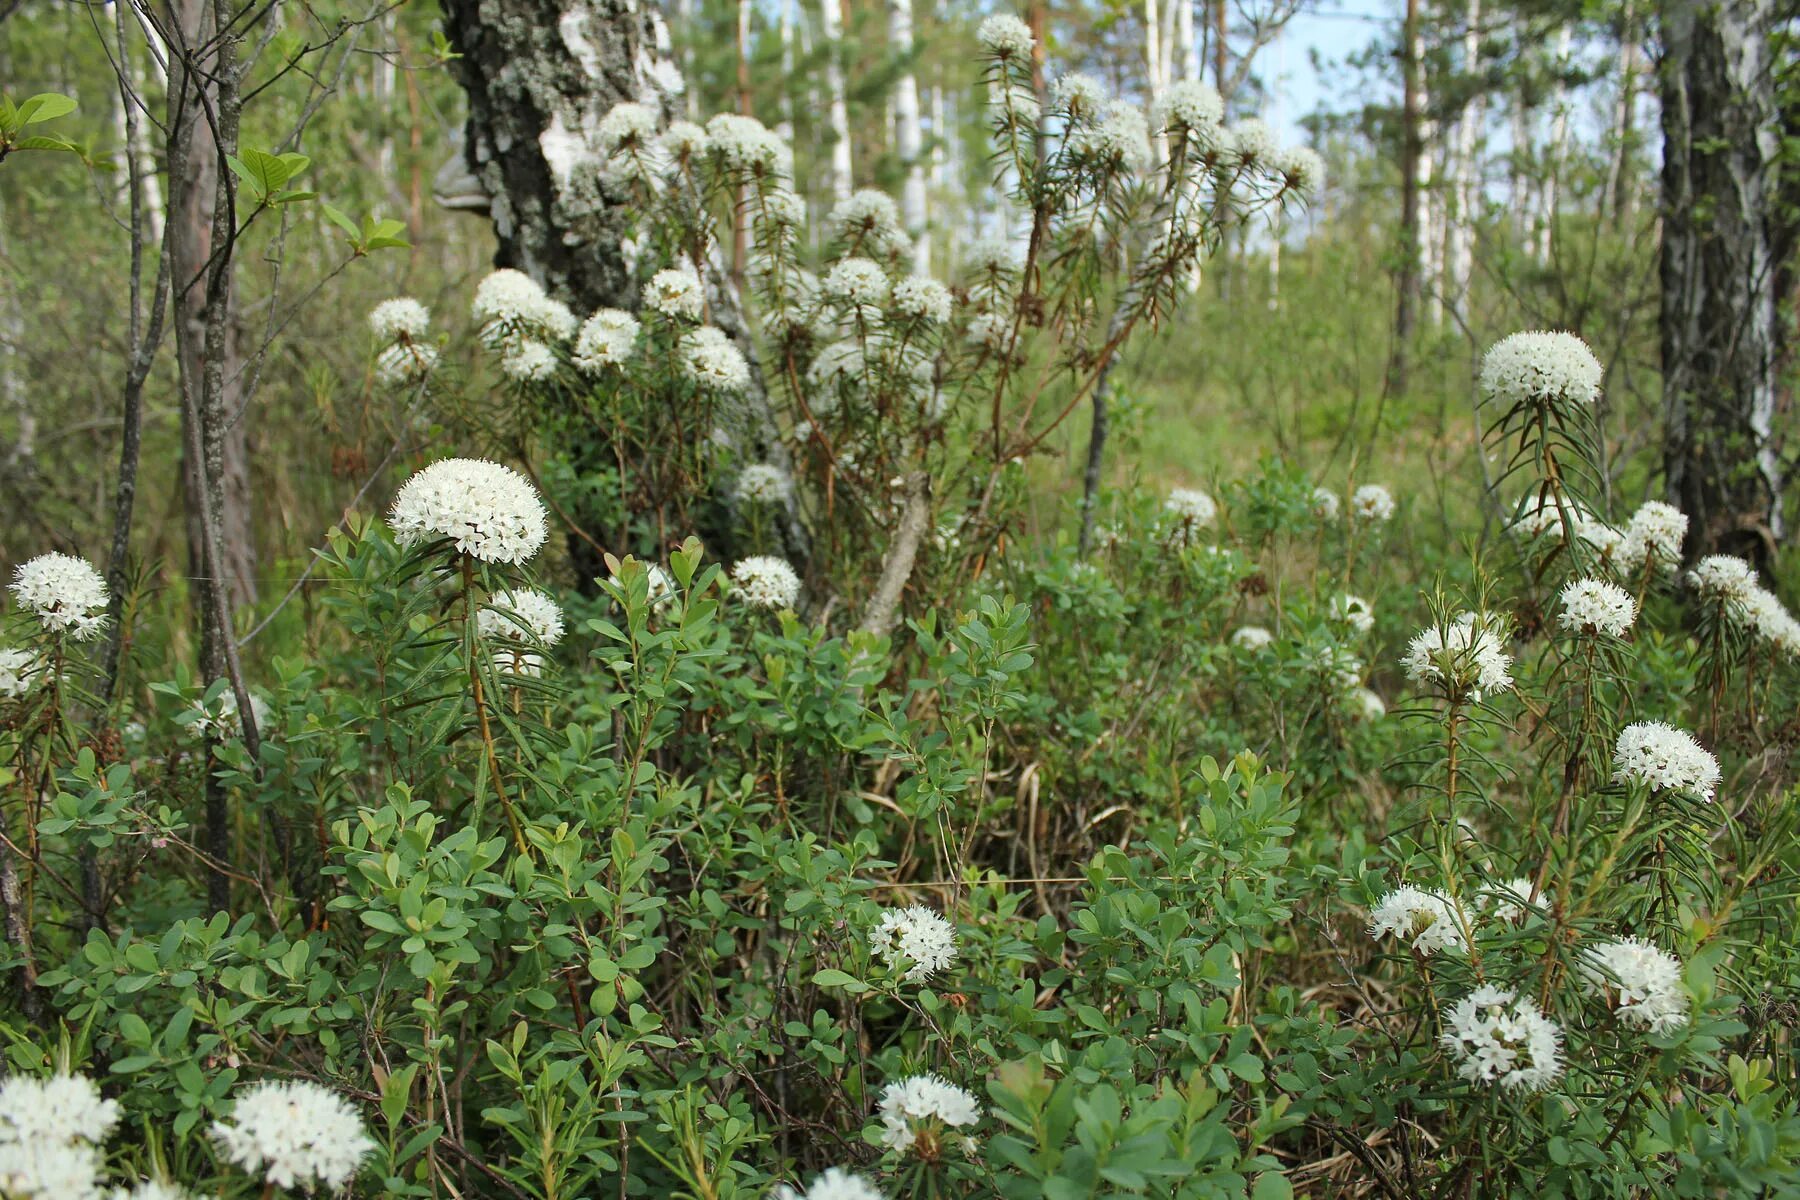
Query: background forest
x=857 y=600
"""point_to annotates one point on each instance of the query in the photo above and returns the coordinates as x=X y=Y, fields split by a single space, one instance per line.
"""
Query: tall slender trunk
x=907 y=139
x=1430 y=204
x=1551 y=194
x=1153 y=65
x=1725 y=237
x=1406 y=303
x=1616 y=197
x=831 y=24
x=1459 y=250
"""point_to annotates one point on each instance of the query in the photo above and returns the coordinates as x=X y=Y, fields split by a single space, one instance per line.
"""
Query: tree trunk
x=831 y=24
x=1406 y=301
x=1559 y=140
x=907 y=138
x=1465 y=191
x=539 y=76
x=1724 y=236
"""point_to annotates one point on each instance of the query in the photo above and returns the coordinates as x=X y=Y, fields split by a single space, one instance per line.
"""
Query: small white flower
x=1301 y=168
x=1665 y=758
x=1654 y=535
x=401 y=317
x=989 y=329
x=514 y=622
x=766 y=582
x=220 y=717
x=1251 y=637
x=763 y=483
x=1325 y=504
x=66 y=594
x=1723 y=579
x=1077 y=94
x=1252 y=142
x=294 y=1134
x=713 y=361
x=153 y=1189
x=18 y=672
x=835 y=1184
x=915 y=936
x=992 y=256
x=675 y=292
x=50 y=1170
x=1118 y=140
x=1368 y=705
x=510 y=304
x=868 y=220
x=1005 y=36
x=1768 y=618
x=1191 y=507
x=404 y=364
x=63 y=1109
x=1466 y=659
x=1596 y=606
x=922 y=299
x=1193 y=107
x=1496 y=1036
x=745 y=145
x=1554 y=369
x=1425 y=920
x=919 y=1108
x=484 y=509
x=1354 y=611
x=857 y=283
x=626 y=126
x=683 y=140
x=528 y=361
x=607 y=339
x=1514 y=899
x=1642 y=982
x=1372 y=502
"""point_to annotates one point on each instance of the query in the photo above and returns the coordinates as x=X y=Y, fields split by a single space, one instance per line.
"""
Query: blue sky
x=1333 y=29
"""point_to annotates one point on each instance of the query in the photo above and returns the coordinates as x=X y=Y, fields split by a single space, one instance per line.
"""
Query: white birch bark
x=832 y=26
x=907 y=140
x=1466 y=189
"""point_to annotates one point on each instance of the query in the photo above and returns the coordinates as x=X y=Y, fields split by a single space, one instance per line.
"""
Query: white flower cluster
x=1428 y=921
x=1653 y=536
x=1596 y=606
x=1723 y=579
x=51 y=1133
x=1662 y=757
x=917 y=936
x=745 y=146
x=1117 y=139
x=1194 y=108
x=607 y=339
x=1302 y=169
x=1367 y=705
x=1467 y=659
x=763 y=483
x=920 y=1107
x=528 y=361
x=510 y=308
x=922 y=299
x=1251 y=637
x=294 y=1134
x=712 y=361
x=1514 y=899
x=1005 y=37
x=1191 y=507
x=1496 y=1036
x=1642 y=982
x=675 y=292
x=1325 y=504
x=1769 y=619
x=867 y=222
x=1354 y=611
x=1552 y=516
x=18 y=672
x=1550 y=369
x=1372 y=502
x=399 y=319
x=765 y=581
x=835 y=1184
x=404 y=364
x=515 y=620
x=859 y=284
x=1078 y=95
x=66 y=594
x=485 y=510
x=220 y=718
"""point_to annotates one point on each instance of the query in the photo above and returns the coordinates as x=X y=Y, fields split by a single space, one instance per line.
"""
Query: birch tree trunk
x=832 y=25
x=1406 y=300
x=1465 y=190
x=1430 y=274
x=1617 y=196
x=907 y=139
x=1724 y=239
x=1551 y=194
x=539 y=76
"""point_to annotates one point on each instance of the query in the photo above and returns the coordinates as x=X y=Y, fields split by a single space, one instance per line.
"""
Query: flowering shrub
x=1235 y=858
